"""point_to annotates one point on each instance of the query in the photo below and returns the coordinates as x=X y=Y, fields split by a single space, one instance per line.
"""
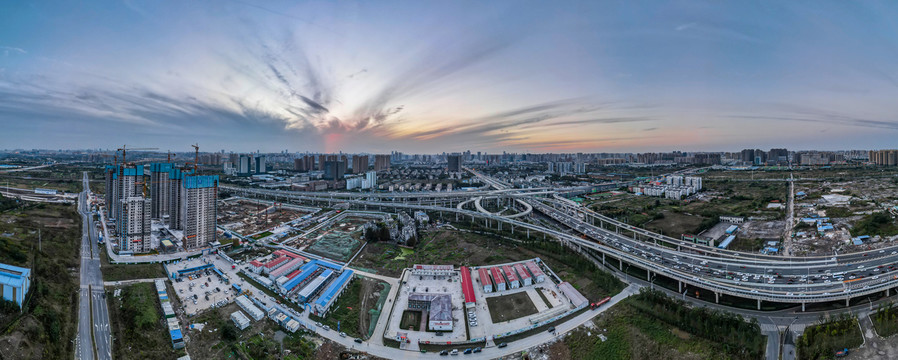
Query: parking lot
x=204 y=289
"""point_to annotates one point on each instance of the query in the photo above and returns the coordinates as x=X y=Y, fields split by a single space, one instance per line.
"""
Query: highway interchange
x=798 y=280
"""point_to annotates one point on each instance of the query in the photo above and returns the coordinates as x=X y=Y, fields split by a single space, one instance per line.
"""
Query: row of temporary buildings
x=174 y=328
x=300 y=281
x=507 y=277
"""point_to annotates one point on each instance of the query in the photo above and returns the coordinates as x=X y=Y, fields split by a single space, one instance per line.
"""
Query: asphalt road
x=94 y=339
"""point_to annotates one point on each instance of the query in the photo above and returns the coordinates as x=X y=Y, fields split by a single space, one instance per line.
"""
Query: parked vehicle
x=502 y=345
x=444 y=352
x=357 y=340
x=467 y=351
x=454 y=352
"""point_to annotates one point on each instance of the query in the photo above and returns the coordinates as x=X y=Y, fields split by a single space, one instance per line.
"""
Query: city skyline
x=428 y=78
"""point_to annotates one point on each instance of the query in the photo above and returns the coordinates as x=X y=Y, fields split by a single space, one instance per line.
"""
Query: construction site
x=337 y=238
x=258 y=219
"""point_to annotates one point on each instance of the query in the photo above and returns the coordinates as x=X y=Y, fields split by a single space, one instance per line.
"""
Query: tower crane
x=125 y=148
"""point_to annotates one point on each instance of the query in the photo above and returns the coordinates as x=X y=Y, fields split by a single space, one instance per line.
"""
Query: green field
x=48 y=321
x=509 y=307
x=136 y=324
x=651 y=325
x=824 y=339
x=119 y=272
x=885 y=320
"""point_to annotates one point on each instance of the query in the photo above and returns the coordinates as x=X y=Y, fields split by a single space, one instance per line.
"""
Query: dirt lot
x=249 y=217
x=510 y=307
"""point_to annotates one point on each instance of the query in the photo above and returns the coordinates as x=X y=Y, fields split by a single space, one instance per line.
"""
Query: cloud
x=12 y=50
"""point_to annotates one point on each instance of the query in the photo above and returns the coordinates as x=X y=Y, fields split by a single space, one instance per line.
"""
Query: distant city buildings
x=671 y=187
x=883 y=157
x=454 y=163
x=381 y=162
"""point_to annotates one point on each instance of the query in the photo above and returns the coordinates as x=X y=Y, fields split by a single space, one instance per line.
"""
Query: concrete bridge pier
x=679 y=287
x=802 y=307
x=759 y=304
x=717 y=298
x=603 y=254
x=621 y=264
x=887 y=292
x=847 y=302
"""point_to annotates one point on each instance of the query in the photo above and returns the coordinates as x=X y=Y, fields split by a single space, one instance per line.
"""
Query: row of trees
x=830 y=335
x=739 y=337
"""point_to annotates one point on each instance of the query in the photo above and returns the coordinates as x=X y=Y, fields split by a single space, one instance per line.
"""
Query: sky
x=435 y=76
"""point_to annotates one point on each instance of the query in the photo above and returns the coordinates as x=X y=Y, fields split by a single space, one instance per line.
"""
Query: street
x=94 y=334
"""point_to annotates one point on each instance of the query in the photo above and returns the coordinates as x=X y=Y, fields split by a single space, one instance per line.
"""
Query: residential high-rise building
x=360 y=164
x=260 y=166
x=243 y=167
x=135 y=224
x=175 y=195
x=454 y=163
x=160 y=189
x=198 y=210
x=334 y=170
x=381 y=162
x=129 y=184
x=883 y=157
x=111 y=176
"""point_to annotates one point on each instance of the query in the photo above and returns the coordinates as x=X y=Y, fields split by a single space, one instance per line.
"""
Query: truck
x=598 y=304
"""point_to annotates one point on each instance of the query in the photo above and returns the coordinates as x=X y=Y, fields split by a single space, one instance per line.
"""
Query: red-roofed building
x=538 y=275
x=285 y=269
x=255 y=266
x=274 y=264
x=498 y=279
x=512 y=278
x=485 y=280
x=290 y=254
x=526 y=280
x=467 y=287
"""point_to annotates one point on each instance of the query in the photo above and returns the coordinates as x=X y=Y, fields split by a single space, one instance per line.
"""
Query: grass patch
x=885 y=320
x=833 y=334
x=651 y=325
x=346 y=311
x=121 y=272
x=411 y=320
x=509 y=307
x=261 y=235
x=135 y=317
x=545 y=299
x=49 y=318
x=874 y=224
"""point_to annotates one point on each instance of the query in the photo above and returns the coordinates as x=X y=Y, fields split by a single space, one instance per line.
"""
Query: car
x=468 y=351
x=552 y=329
x=444 y=352
x=502 y=345
x=325 y=327
x=454 y=352
x=342 y=334
x=358 y=341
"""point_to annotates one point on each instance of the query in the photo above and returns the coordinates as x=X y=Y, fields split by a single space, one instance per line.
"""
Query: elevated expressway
x=738 y=274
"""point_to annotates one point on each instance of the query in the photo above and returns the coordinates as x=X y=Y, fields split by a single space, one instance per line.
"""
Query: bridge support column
x=887 y=292
x=847 y=302
x=679 y=286
x=603 y=259
x=528 y=233
x=802 y=307
x=717 y=298
x=759 y=304
x=621 y=264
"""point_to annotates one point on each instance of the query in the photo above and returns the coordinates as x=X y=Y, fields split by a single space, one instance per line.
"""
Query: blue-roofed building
x=726 y=242
x=14 y=283
x=333 y=291
x=305 y=272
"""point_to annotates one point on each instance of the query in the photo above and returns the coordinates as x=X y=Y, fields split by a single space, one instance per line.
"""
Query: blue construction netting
x=160 y=167
x=200 y=181
x=135 y=171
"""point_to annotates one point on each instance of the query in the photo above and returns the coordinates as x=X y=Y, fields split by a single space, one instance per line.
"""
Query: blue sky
x=434 y=76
